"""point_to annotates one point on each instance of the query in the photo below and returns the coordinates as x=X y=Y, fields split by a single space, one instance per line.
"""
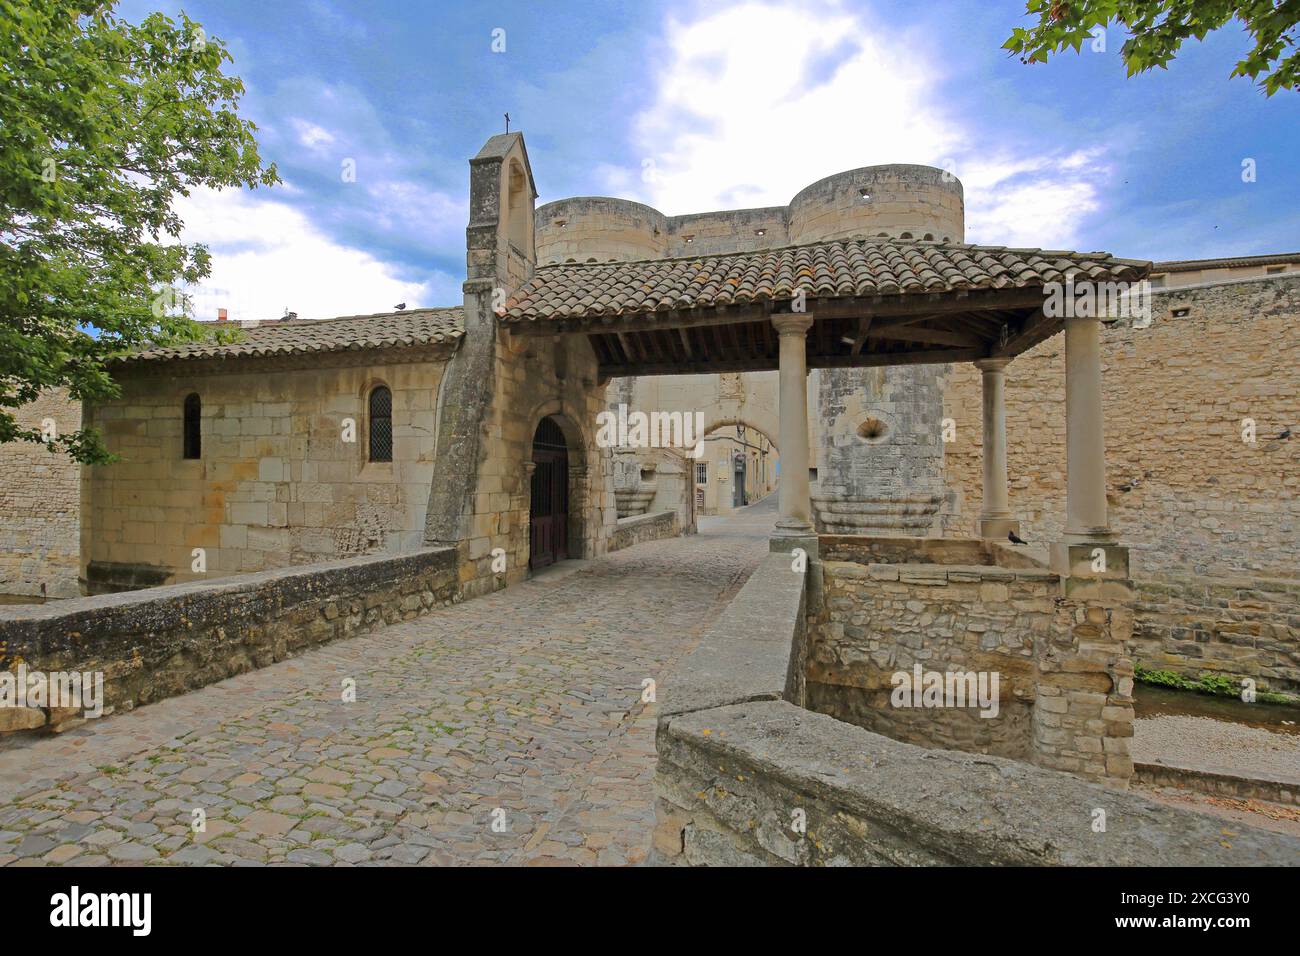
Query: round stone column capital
x=992 y=364
x=792 y=323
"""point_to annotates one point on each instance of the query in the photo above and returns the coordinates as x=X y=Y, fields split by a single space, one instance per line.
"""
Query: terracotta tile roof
x=347 y=333
x=836 y=269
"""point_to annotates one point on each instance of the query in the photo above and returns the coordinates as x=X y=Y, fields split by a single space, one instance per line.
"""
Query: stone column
x=796 y=506
x=995 y=512
x=1085 y=446
x=1087 y=548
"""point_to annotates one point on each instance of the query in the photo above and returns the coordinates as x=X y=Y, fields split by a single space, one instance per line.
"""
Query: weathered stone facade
x=499 y=389
x=1064 y=692
x=277 y=484
x=40 y=514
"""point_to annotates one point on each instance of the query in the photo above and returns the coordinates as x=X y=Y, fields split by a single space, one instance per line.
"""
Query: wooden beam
x=913 y=333
x=762 y=364
x=685 y=336
x=860 y=339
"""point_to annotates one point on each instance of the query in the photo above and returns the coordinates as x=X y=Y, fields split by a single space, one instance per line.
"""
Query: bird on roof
x=400 y=306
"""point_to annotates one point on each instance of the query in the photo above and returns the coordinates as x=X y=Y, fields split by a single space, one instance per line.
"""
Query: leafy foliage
x=1215 y=685
x=1157 y=29
x=103 y=124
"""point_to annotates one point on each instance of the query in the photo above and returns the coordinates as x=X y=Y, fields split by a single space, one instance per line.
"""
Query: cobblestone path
x=521 y=709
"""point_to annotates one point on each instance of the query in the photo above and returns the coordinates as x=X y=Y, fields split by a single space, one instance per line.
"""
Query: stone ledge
x=753 y=651
x=737 y=773
x=636 y=529
x=158 y=643
x=1219 y=783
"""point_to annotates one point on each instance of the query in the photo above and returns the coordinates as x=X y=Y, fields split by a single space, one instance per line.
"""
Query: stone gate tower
x=877 y=433
x=880 y=445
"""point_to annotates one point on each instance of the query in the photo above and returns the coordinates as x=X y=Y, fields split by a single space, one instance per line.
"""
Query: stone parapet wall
x=1238 y=627
x=734 y=781
x=159 y=643
x=646 y=527
x=40 y=505
x=882 y=619
x=747 y=776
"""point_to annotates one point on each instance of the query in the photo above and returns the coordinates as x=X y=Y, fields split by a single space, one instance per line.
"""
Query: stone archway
x=563 y=429
x=735 y=469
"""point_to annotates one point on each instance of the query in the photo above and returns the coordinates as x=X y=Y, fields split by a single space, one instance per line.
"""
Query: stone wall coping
x=648 y=518
x=746 y=654
x=1235 y=582
x=198 y=604
x=953 y=573
x=968 y=808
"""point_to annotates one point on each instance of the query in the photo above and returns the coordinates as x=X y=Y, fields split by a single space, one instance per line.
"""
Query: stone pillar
x=796 y=507
x=1085 y=511
x=995 y=512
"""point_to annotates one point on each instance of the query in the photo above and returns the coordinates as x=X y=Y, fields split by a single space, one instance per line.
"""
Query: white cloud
x=268 y=257
x=755 y=101
x=310 y=134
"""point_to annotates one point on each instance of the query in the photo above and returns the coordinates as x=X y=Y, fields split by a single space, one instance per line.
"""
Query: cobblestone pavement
x=521 y=709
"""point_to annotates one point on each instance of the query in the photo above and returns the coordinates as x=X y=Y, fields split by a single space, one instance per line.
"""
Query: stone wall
x=40 y=506
x=1238 y=627
x=1065 y=683
x=747 y=776
x=499 y=388
x=641 y=528
x=1186 y=493
x=165 y=641
x=276 y=483
x=1211 y=520
x=766 y=783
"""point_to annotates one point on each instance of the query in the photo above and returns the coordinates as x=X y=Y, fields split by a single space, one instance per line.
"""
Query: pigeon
x=400 y=306
x=1286 y=433
x=1014 y=538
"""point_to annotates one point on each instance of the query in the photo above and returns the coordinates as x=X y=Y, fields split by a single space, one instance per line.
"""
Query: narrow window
x=193 y=437
x=381 y=424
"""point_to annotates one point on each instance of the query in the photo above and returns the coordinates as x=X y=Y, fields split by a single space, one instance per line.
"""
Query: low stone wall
x=639 y=528
x=159 y=643
x=1242 y=627
x=1218 y=783
x=747 y=776
x=768 y=783
x=881 y=619
x=1064 y=680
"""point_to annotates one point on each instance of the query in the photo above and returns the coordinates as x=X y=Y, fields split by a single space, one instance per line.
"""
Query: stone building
x=847 y=329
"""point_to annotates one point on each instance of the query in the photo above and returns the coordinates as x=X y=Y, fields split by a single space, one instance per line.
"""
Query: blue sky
x=692 y=106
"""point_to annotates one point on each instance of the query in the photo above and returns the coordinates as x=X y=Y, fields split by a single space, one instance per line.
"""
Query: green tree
x=1157 y=29
x=103 y=125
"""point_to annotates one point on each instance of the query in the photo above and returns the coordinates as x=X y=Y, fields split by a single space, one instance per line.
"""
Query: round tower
x=880 y=437
x=899 y=201
x=599 y=229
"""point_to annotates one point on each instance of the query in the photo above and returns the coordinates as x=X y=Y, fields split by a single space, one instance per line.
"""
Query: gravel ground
x=1207 y=744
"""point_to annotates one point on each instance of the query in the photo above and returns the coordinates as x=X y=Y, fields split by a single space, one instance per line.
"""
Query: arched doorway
x=548 y=529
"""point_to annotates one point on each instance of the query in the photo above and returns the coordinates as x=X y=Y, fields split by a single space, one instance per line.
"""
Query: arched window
x=381 y=424
x=193 y=433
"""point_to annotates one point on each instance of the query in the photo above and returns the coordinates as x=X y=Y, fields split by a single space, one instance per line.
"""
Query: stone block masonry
x=40 y=506
x=747 y=776
x=1064 y=691
x=1236 y=627
x=158 y=643
x=639 y=528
